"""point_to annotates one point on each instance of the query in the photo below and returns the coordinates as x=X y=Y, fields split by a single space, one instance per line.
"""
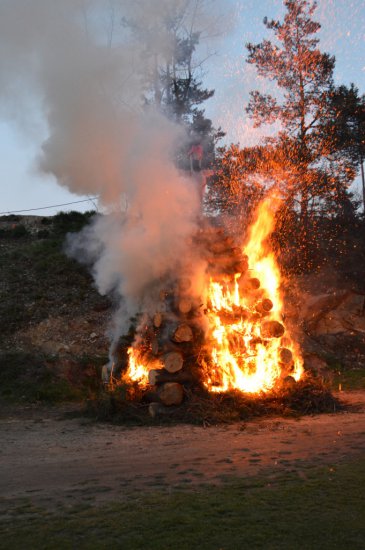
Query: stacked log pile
x=174 y=337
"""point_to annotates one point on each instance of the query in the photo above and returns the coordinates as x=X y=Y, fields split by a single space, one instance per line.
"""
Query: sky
x=342 y=35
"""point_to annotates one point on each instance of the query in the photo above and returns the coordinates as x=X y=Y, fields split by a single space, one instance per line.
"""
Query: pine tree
x=311 y=158
x=174 y=84
x=347 y=126
x=304 y=76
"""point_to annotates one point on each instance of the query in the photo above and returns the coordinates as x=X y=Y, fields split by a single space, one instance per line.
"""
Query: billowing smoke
x=77 y=64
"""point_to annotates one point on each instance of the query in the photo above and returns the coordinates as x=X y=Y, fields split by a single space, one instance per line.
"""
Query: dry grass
x=125 y=404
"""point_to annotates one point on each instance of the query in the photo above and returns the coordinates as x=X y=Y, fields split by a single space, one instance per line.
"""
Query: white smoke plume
x=75 y=63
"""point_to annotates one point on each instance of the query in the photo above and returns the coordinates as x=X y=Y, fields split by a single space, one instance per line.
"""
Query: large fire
x=247 y=345
x=245 y=318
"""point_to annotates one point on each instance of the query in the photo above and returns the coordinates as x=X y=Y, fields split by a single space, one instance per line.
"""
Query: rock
x=340 y=312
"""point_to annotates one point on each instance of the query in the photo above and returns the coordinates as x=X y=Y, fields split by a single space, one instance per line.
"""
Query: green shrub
x=70 y=222
x=19 y=231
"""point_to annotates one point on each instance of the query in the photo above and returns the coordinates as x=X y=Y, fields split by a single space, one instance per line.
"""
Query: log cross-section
x=183 y=333
x=171 y=393
x=173 y=362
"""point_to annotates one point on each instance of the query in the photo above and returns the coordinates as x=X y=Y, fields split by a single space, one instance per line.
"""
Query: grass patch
x=348 y=380
x=325 y=510
x=38 y=278
x=28 y=378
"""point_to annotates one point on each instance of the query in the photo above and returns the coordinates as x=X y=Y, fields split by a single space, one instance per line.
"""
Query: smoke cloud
x=74 y=63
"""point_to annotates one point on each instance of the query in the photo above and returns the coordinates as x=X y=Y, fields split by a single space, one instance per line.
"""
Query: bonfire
x=233 y=337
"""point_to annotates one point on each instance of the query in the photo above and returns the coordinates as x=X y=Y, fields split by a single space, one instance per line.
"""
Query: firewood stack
x=176 y=337
x=173 y=339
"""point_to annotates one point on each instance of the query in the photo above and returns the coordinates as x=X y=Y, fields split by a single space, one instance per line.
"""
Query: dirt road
x=50 y=458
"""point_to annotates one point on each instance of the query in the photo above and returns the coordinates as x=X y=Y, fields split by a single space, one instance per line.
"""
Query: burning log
x=265 y=306
x=285 y=356
x=272 y=329
x=222 y=261
x=238 y=334
x=171 y=393
x=173 y=362
x=183 y=333
x=250 y=284
x=185 y=305
x=241 y=266
x=161 y=376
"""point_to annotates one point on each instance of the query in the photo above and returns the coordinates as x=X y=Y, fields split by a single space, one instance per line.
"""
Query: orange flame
x=139 y=367
x=244 y=357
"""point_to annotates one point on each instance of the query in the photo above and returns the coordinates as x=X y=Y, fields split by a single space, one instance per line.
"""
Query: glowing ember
x=247 y=344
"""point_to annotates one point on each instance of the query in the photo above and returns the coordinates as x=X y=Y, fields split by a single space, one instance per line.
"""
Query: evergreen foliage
x=313 y=158
x=174 y=84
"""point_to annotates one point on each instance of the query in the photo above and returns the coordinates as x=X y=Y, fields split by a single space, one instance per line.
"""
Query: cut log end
x=266 y=305
x=173 y=362
x=171 y=393
x=285 y=356
x=183 y=333
x=249 y=284
x=272 y=329
x=185 y=305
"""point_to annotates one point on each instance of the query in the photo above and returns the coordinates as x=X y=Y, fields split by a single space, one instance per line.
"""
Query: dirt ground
x=50 y=458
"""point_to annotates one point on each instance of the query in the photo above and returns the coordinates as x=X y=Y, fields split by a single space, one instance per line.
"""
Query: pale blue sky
x=342 y=34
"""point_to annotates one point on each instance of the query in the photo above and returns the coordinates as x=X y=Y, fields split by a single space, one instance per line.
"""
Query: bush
x=17 y=232
x=70 y=222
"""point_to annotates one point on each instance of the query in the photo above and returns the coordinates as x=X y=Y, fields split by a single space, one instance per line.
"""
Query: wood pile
x=174 y=335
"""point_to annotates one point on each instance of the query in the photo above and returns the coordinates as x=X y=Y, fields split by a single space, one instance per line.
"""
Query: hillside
x=53 y=322
x=52 y=319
